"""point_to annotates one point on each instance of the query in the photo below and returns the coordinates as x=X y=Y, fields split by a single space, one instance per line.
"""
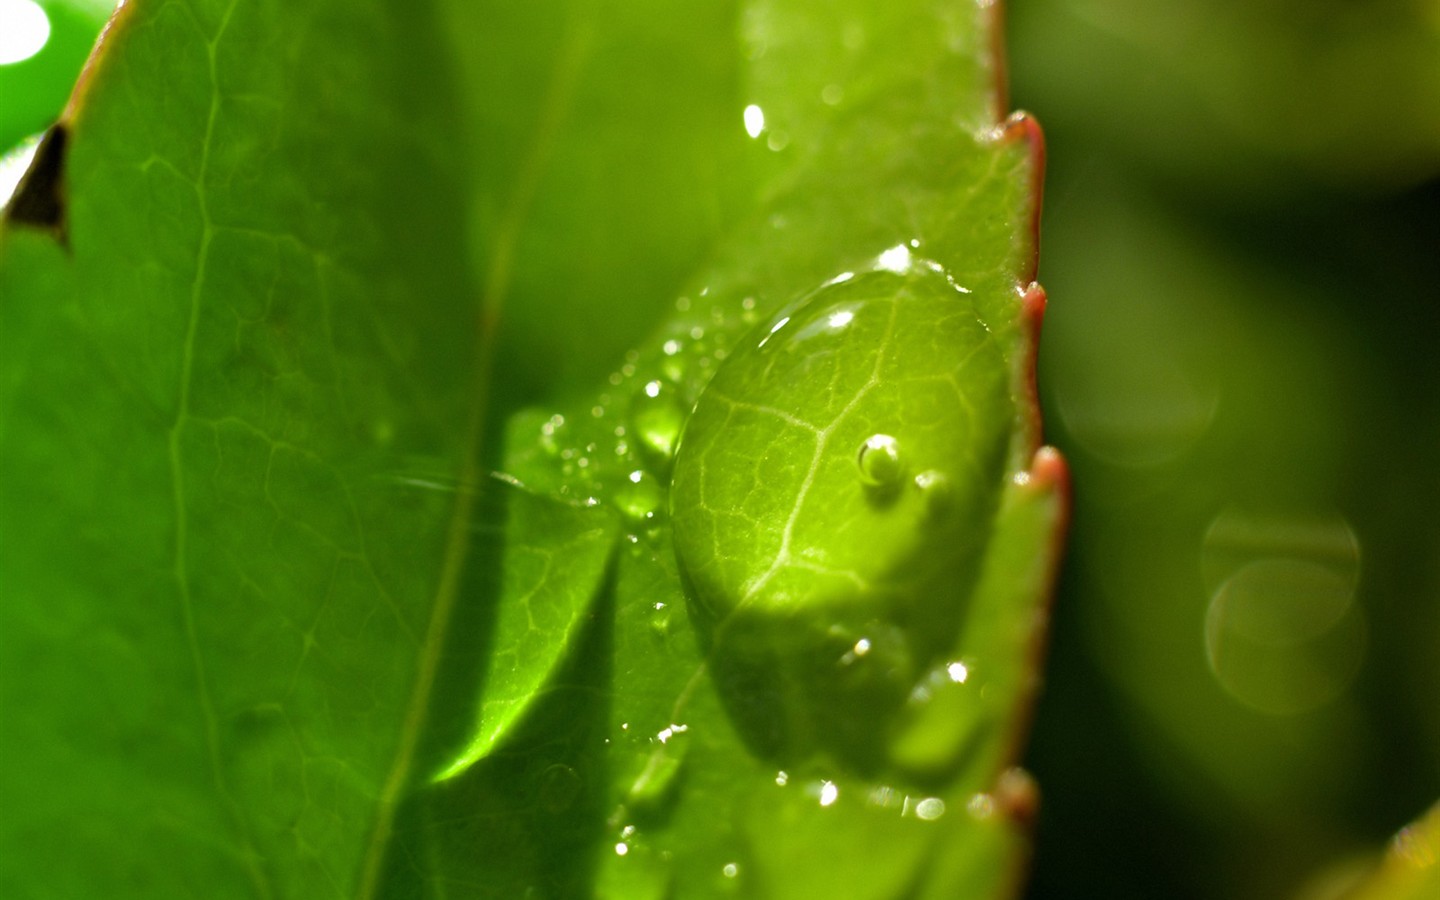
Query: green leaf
x=270 y=627
x=551 y=570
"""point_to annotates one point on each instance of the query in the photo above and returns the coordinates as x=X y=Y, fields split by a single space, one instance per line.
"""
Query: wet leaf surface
x=271 y=626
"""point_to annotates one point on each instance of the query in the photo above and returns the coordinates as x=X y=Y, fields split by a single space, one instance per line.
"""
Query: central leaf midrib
x=180 y=572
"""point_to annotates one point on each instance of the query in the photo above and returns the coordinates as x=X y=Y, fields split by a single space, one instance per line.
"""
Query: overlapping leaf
x=259 y=589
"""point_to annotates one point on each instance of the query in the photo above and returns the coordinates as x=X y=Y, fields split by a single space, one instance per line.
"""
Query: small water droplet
x=879 y=461
x=662 y=620
x=829 y=793
x=673 y=368
x=730 y=870
x=656 y=783
x=981 y=806
x=936 y=491
x=832 y=94
x=560 y=786
x=656 y=419
x=639 y=497
x=930 y=809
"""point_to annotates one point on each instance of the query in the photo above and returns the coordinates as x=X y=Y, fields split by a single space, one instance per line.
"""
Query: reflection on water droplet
x=639 y=497
x=930 y=809
x=981 y=806
x=896 y=259
x=829 y=793
x=1017 y=796
x=937 y=491
x=884 y=796
x=622 y=848
x=656 y=783
x=730 y=870
x=656 y=419
x=662 y=620
x=754 y=118
x=879 y=461
x=673 y=368
x=939 y=726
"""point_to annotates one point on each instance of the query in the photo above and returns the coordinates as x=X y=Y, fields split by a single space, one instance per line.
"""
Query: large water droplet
x=841 y=595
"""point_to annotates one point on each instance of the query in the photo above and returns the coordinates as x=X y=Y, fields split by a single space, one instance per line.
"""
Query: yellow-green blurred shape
x=1262 y=97
x=1283 y=633
x=1411 y=867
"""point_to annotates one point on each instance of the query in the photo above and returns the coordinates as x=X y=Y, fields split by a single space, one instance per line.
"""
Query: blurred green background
x=1242 y=251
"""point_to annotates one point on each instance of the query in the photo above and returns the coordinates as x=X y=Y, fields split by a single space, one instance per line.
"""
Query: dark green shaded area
x=1238 y=363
